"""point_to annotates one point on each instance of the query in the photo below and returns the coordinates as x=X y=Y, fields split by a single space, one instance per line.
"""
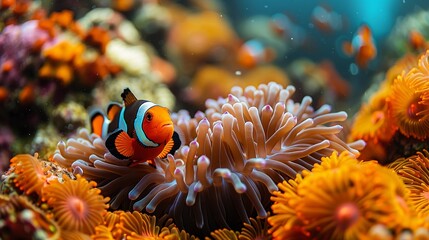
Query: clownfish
x=138 y=130
x=252 y=53
x=362 y=46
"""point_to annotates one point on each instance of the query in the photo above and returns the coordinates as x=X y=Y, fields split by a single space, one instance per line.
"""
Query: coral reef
x=265 y=151
x=236 y=151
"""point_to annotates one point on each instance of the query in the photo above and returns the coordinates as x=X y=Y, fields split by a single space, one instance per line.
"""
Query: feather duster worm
x=406 y=98
x=415 y=174
x=233 y=156
x=340 y=203
x=77 y=205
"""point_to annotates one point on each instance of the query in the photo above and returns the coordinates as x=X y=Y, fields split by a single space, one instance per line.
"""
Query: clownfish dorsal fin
x=128 y=97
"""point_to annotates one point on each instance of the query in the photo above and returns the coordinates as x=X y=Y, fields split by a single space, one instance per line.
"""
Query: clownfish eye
x=149 y=117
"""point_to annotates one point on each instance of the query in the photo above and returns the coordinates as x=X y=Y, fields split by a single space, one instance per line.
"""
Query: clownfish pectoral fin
x=113 y=109
x=97 y=121
x=171 y=146
x=166 y=149
x=128 y=97
x=120 y=144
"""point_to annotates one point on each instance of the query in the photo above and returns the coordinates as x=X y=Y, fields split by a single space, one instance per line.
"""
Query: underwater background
x=162 y=119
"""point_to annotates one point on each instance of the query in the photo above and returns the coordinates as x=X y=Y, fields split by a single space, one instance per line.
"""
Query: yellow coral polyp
x=415 y=174
x=76 y=204
x=335 y=161
x=372 y=123
x=31 y=175
x=406 y=106
x=336 y=201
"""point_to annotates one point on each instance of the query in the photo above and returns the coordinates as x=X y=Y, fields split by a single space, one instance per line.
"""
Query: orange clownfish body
x=417 y=40
x=362 y=46
x=252 y=53
x=139 y=130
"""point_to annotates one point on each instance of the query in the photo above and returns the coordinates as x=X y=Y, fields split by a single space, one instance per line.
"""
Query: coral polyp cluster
x=234 y=153
x=414 y=172
x=397 y=112
x=31 y=175
x=337 y=201
x=76 y=204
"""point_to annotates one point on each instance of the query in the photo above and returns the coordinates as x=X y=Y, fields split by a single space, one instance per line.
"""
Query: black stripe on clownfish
x=138 y=130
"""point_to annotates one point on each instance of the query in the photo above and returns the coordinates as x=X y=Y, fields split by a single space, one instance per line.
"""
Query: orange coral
x=406 y=106
x=212 y=81
x=77 y=205
x=62 y=58
x=200 y=38
x=335 y=201
x=92 y=71
x=63 y=18
x=415 y=174
x=372 y=123
x=335 y=161
x=110 y=227
x=137 y=225
x=31 y=175
x=285 y=222
x=404 y=64
x=97 y=37
x=343 y=204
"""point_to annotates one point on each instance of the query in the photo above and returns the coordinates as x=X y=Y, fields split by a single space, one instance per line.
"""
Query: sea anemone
x=31 y=176
x=235 y=152
x=76 y=204
x=406 y=96
x=415 y=174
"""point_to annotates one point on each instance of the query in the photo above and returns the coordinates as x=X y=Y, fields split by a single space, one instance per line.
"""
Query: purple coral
x=6 y=140
x=17 y=44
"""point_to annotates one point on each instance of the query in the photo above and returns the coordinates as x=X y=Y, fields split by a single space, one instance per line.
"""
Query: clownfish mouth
x=166 y=125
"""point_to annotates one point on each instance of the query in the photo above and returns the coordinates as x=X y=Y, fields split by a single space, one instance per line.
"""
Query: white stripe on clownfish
x=138 y=125
x=122 y=124
x=105 y=127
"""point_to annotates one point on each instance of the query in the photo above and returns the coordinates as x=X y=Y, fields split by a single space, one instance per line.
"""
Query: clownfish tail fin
x=113 y=109
x=120 y=144
x=128 y=97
